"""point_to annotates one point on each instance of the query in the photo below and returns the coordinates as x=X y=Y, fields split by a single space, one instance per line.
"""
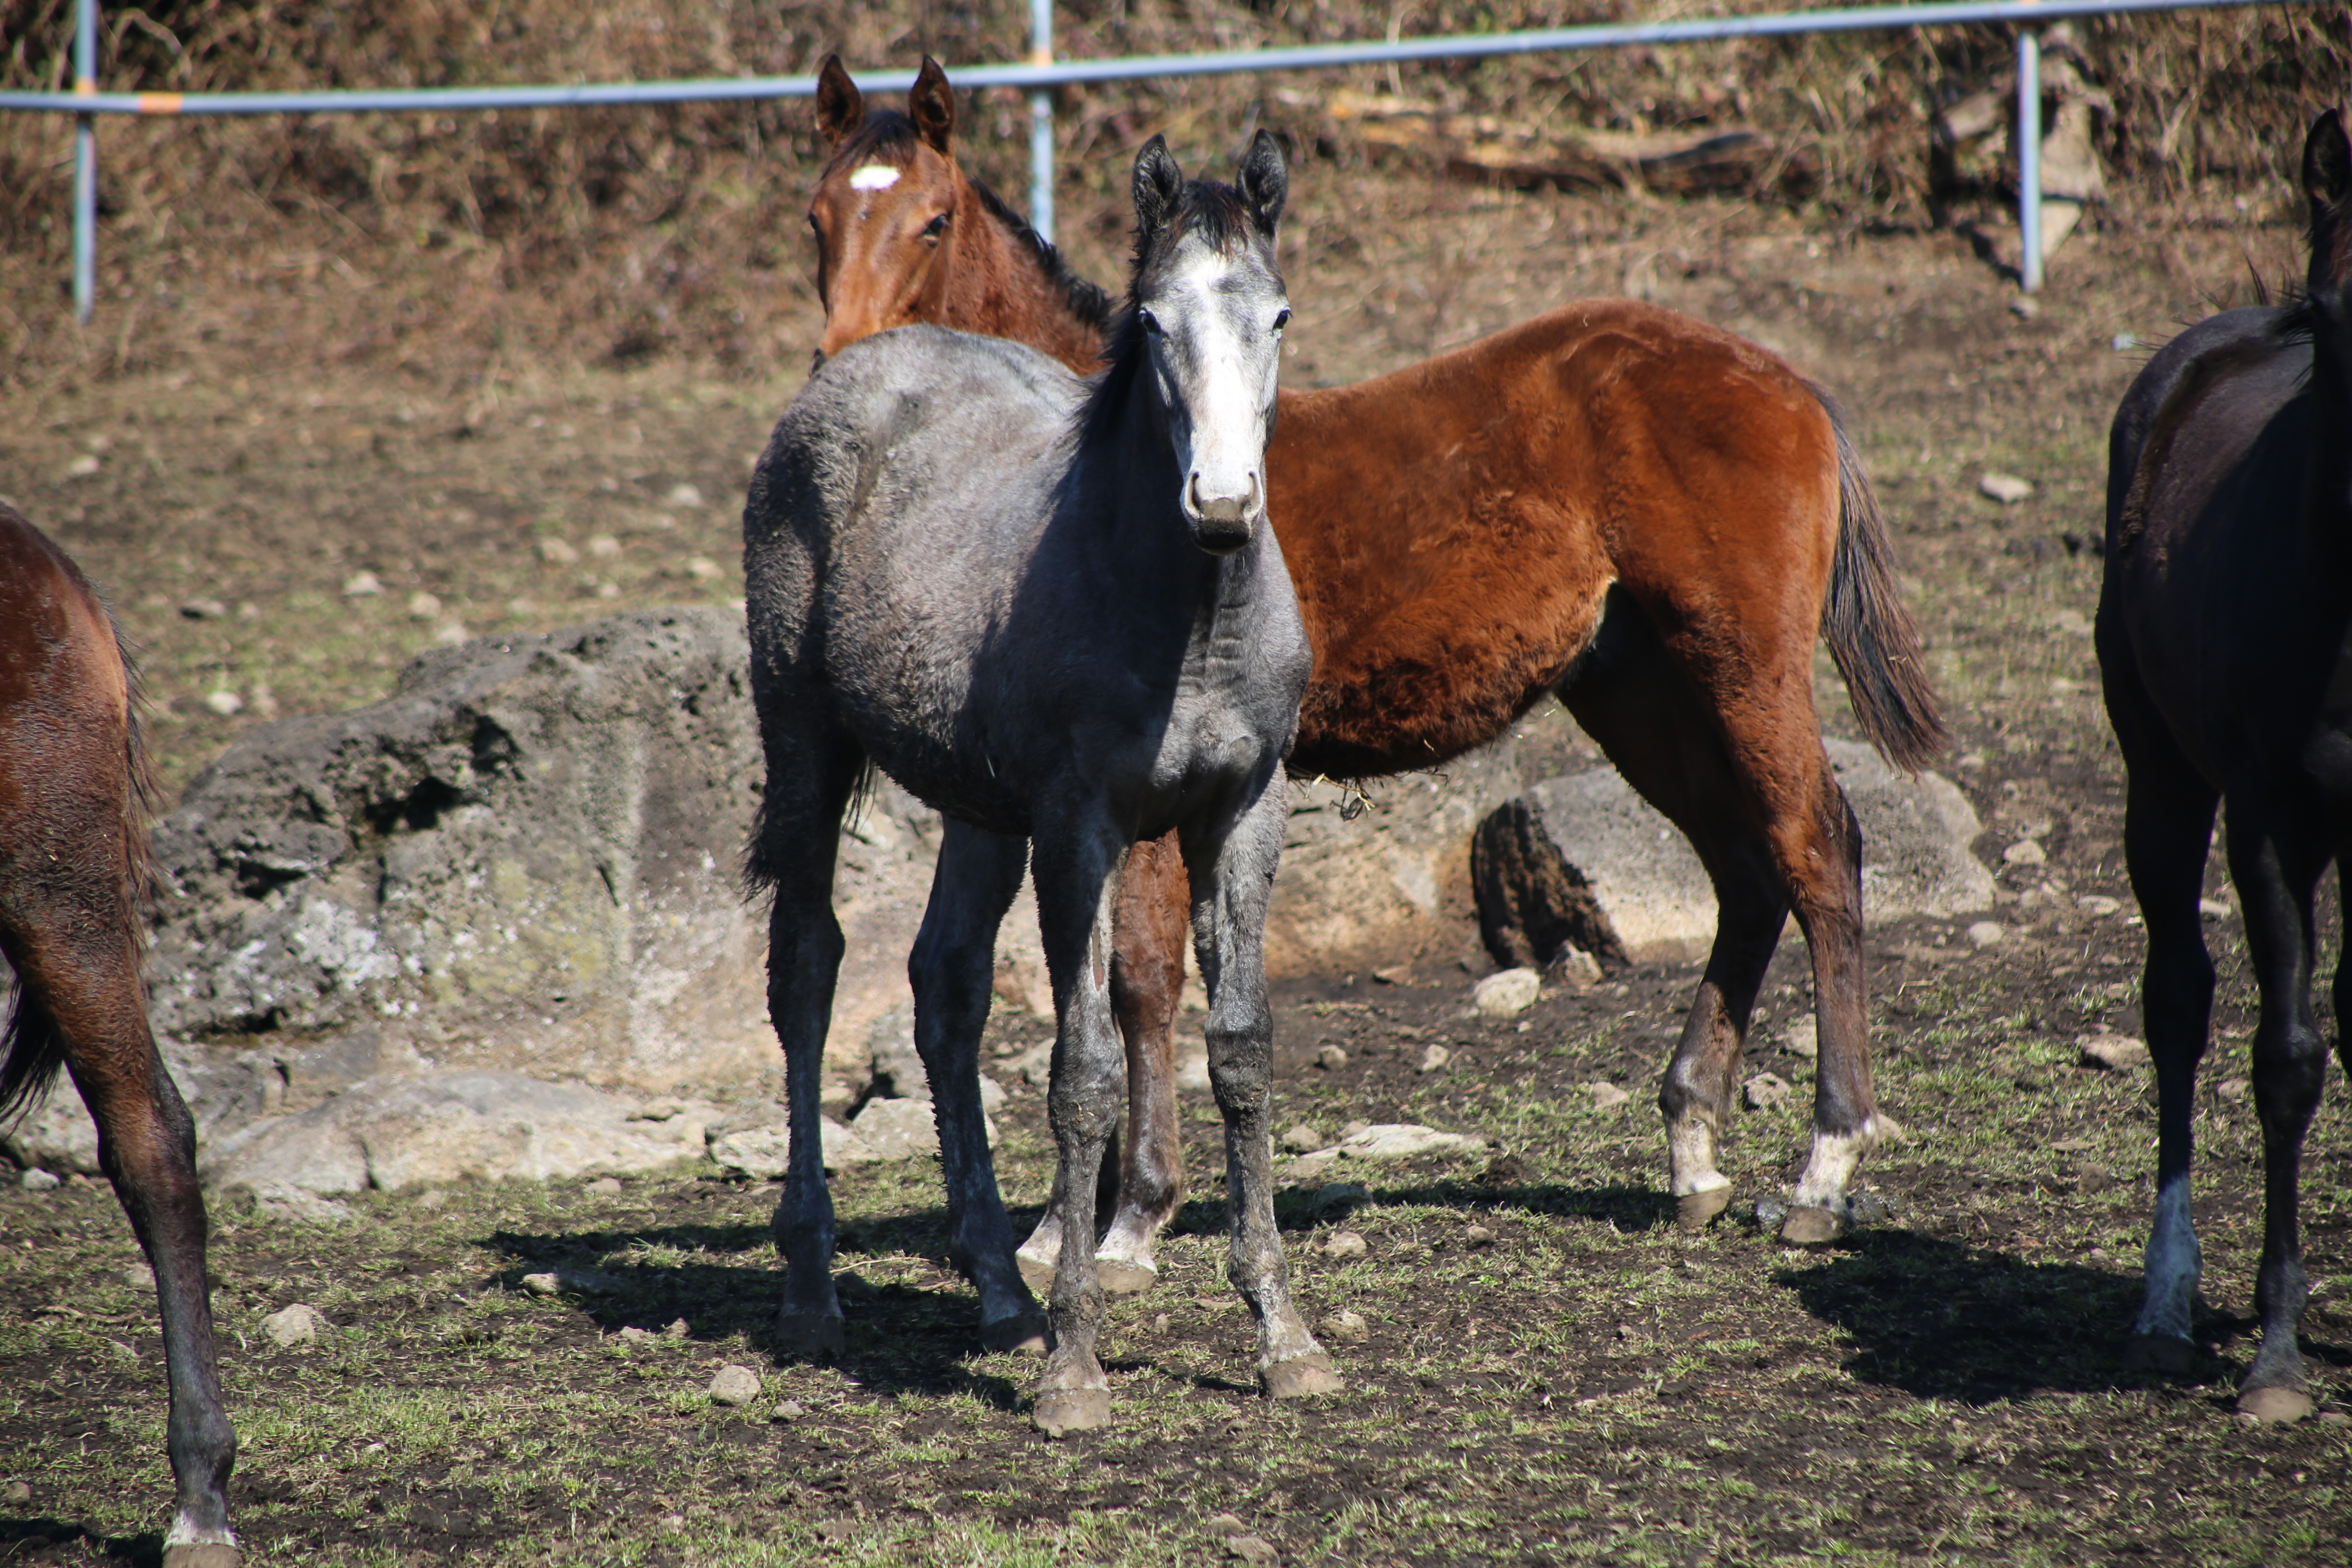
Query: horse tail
x=1871 y=638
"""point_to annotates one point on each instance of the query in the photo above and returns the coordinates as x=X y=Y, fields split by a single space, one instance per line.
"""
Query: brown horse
x=73 y=869
x=1637 y=513
x=2225 y=642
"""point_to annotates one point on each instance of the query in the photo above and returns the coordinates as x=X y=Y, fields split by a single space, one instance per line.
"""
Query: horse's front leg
x=1231 y=879
x=1078 y=854
x=949 y=969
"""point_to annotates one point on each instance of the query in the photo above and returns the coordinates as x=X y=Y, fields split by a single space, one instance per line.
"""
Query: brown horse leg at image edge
x=72 y=865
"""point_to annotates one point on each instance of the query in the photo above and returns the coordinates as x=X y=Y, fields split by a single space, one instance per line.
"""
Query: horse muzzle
x=1224 y=523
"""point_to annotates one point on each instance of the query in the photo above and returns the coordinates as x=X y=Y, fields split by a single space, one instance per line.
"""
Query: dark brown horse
x=73 y=867
x=2225 y=638
x=1649 y=517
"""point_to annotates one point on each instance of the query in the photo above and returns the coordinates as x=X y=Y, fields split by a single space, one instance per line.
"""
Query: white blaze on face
x=874 y=177
x=1223 y=337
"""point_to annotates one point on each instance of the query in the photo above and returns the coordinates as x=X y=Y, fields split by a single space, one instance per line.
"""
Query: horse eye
x=1283 y=320
x=1151 y=323
x=816 y=227
x=937 y=226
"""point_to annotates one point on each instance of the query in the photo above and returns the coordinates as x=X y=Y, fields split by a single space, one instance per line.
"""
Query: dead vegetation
x=618 y=235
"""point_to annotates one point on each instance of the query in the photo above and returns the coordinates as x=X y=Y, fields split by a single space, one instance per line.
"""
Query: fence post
x=85 y=192
x=1041 y=124
x=2028 y=158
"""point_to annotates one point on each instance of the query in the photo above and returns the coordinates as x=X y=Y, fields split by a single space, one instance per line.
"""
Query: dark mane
x=1087 y=300
x=1222 y=217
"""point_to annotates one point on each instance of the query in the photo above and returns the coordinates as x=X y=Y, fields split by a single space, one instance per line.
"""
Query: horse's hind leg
x=1661 y=737
x=78 y=968
x=812 y=767
x=978 y=874
x=2275 y=865
x=2168 y=826
x=1231 y=879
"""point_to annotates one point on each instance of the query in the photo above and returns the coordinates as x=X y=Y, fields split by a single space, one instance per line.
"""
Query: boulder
x=394 y=1132
x=1584 y=863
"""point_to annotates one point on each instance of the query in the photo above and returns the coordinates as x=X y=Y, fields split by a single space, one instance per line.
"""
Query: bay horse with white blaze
x=1628 y=509
x=1053 y=610
x=2225 y=642
x=73 y=871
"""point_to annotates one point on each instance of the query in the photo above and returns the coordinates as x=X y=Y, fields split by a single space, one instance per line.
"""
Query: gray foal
x=1054 y=610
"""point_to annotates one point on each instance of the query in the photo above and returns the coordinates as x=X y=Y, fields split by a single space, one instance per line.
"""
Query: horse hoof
x=1037 y=1273
x=1302 y=1377
x=2160 y=1354
x=1062 y=1411
x=1810 y=1226
x=1023 y=1333
x=2276 y=1406
x=810 y=1336
x=1118 y=1277
x=200 y=1554
x=1697 y=1211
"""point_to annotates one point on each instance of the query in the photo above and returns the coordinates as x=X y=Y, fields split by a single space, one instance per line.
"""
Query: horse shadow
x=37 y=1540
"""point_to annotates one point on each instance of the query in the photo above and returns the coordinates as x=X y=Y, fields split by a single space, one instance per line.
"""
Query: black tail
x=32 y=1049
x=1871 y=638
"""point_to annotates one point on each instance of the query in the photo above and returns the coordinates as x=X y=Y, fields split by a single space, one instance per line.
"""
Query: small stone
x=2327 y=1418
x=299 y=1324
x=1331 y=1059
x=1402 y=1140
x=1340 y=1195
x=1347 y=1327
x=787 y=1410
x=1395 y=974
x=2232 y=1090
x=1354 y=1129
x=570 y=1282
x=83 y=466
x=424 y=607
x=2071 y=1145
x=2098 y=904
x=603 y=546
x=605 y=1187
x=1770 y=1212
x=637 y=1336
x=677 y=1330
x=558 y=552
x=1302 y=1139
x=139 y=1277
x=434 y=1198
x=2212 y=909
x=2006 y=489
x=1433 y=1059
x=1606 y=1095
x=2113 y=1053
x=1574 y=966
x=685 y=495
x=203 y=609
x=1802 y=1038
x=1765 y=1091
x=1983 y=934
x=22 y=1492
x=36 y=1180
x=2091 y=1178
x=2025 y=307
x=1225 y=1526
x=733 y=1384
x=702 y=569
x=1502 y=996
x=2025 y=852
x=1477 y=1236
x=2099 y=1255
x=360 y=584
x=1251 y=1549
x=225 y=703
x=1341 y=1244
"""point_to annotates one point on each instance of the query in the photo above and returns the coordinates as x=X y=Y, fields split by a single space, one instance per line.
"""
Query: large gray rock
x=1584 y=862
x=449 y=1127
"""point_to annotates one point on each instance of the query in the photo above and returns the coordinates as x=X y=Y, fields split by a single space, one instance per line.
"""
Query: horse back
x=1455 y=526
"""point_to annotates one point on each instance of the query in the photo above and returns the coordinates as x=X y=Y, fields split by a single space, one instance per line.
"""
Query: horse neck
x=996 y=285
x=1144 y=537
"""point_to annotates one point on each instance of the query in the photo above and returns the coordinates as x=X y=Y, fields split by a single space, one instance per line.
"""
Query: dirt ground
x=1572 y=1380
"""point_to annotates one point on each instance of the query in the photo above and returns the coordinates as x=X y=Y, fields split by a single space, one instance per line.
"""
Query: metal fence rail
x=1041 y=73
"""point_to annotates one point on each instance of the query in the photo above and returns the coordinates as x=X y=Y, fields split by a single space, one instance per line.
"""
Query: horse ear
x=2327 y=162
x=1158 y=183
x=1266 y=181
x=931 y=106
x=840 y=107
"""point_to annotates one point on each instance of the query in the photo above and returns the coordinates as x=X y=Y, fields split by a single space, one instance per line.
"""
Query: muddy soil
x=1576 y=1381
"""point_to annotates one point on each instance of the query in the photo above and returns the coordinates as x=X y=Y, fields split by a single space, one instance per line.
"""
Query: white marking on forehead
x=874 y=177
